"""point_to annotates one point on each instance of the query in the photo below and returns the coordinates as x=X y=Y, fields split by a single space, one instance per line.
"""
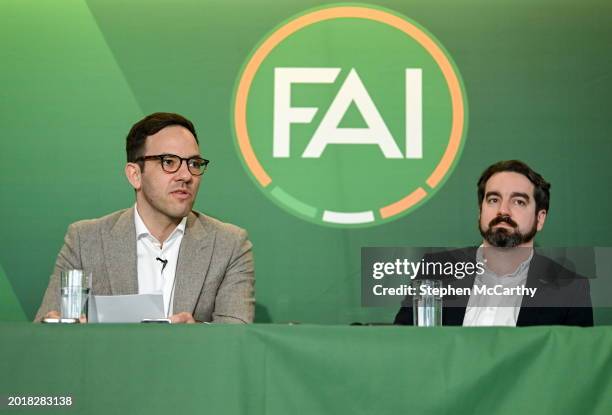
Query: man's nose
x=504 y=208
x=183 y=172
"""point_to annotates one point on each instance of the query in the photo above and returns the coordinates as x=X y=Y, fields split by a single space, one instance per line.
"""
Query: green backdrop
x=75 y=75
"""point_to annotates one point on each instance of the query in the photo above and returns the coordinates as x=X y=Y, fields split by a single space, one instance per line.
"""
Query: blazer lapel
x=537 y=277
x=454 y=308
x=194 y=259
x=120 y=255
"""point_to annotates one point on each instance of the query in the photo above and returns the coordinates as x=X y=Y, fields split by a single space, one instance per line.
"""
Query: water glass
x=74 y=286
x=427 y=303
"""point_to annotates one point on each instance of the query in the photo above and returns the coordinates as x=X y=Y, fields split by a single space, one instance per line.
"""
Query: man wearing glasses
x=203 y=267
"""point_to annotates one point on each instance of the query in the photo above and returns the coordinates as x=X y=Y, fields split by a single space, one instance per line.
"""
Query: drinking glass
x=427 y=303
x=74 y=286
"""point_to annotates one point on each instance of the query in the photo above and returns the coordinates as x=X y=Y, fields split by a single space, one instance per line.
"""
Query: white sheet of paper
x=125 y=308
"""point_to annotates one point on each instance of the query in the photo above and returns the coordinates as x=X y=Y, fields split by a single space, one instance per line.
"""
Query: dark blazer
x=562 y=297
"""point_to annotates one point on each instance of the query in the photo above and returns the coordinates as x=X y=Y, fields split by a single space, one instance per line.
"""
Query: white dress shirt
x=496 y=310
x=155 y=277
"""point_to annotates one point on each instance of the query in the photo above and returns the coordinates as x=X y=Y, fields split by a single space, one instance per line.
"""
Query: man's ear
x=541 y=218
x=134 y=175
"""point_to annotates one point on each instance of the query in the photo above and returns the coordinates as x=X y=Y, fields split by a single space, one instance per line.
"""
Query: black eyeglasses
x=171 y=163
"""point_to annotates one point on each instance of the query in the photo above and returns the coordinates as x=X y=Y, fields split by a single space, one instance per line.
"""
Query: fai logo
x=349 y=115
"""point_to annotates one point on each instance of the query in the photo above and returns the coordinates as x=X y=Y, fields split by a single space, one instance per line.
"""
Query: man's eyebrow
x=193 y=156
x=492 y=193
x=188 y=157
x=520 y=194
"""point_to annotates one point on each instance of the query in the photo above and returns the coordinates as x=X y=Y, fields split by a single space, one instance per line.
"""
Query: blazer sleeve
x=580 y=313
x=235 y=300
x=68 y=258
x=404 y=316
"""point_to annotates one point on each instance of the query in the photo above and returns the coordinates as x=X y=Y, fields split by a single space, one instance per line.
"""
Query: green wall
x=75 y=75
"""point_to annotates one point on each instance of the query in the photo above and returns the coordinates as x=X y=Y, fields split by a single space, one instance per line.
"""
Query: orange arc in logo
x=363 y=13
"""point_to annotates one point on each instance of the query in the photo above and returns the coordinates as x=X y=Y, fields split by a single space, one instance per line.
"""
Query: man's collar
x=521 y=267
x=142 y=230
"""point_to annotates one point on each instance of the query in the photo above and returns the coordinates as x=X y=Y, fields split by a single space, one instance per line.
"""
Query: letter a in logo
x=349 y=116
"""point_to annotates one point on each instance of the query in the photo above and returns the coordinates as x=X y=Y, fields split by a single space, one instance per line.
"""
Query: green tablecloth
x=303 y=369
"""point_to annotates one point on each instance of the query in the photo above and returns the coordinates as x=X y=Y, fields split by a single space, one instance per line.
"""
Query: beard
x=505 y=238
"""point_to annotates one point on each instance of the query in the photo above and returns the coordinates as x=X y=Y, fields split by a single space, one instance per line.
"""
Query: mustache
x=503 y=219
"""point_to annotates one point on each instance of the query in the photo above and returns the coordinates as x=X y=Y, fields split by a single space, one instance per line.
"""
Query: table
x=308 y=369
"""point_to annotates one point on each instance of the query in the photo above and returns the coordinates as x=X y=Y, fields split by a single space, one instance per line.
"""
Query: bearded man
x=526 y=288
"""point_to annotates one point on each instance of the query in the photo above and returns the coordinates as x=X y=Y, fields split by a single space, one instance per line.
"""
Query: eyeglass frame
x=160 y=157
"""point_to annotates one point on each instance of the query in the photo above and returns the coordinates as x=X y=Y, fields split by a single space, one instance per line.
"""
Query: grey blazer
x=214 y=276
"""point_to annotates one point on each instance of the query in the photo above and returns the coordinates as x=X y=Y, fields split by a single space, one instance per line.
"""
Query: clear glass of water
x=427 y=303
x=74 y=286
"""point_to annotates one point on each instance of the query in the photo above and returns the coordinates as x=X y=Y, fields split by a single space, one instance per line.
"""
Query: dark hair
x=149 y=125
x=542 y=187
